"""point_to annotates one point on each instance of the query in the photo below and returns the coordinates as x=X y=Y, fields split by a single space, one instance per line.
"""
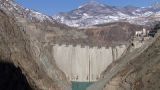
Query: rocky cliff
x=137 y=70
x=34 y=58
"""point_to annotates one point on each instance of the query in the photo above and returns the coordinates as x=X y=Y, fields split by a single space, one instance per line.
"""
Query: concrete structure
x=138 y=33
x=142 y=32
x=85 y=64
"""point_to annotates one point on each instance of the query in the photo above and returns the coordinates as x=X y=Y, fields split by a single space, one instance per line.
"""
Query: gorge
x=53 y=56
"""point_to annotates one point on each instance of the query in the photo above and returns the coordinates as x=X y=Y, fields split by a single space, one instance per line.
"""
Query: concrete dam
x=85 y=63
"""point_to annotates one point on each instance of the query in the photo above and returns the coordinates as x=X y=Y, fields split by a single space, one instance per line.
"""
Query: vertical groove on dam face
x=85 y=64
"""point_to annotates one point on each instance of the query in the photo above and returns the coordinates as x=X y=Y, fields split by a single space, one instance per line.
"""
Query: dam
x=85 y=63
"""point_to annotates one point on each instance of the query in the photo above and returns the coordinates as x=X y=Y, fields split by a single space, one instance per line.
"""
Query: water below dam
x=80 y=85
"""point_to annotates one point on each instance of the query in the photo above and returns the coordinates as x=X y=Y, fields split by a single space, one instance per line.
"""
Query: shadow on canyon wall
x=11 y=78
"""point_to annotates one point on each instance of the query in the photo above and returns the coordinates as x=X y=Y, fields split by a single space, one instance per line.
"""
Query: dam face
x=85 y=64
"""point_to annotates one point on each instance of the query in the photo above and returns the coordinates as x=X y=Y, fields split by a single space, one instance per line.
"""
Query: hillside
x=137 y=70
x=28 y=54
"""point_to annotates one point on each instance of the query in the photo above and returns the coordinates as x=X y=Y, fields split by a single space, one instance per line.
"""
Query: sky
x=51 y=7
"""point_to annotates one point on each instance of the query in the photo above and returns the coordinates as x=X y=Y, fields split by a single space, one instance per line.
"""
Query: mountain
x=93 y=13
x=17 y=10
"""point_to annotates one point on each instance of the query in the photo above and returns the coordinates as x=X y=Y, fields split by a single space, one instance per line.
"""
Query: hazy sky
x=51 y=7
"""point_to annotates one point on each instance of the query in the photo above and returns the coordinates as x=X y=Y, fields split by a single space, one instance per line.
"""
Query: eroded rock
x=33 y=57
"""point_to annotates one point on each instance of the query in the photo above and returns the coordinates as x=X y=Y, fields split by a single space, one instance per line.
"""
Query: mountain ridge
x=93 y=13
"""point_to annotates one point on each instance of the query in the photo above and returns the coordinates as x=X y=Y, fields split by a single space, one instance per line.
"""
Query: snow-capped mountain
x=93 y=13
x=17 y=10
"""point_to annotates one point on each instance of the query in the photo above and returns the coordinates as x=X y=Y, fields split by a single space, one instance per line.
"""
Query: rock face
x=33 y=57
x=113 y=33
x=137 y=70
x=32 y=15
x=141 y=73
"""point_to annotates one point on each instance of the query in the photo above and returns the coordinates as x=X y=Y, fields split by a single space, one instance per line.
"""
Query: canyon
x=53 y=56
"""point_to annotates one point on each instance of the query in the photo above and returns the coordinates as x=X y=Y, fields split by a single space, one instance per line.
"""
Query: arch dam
x=85 y=63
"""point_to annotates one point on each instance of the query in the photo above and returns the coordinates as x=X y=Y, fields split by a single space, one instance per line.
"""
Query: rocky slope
x=18 y=10
x=137 y=70
x=93 y=13
x=21 y=46
x=100 y=35
x=113 y=33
